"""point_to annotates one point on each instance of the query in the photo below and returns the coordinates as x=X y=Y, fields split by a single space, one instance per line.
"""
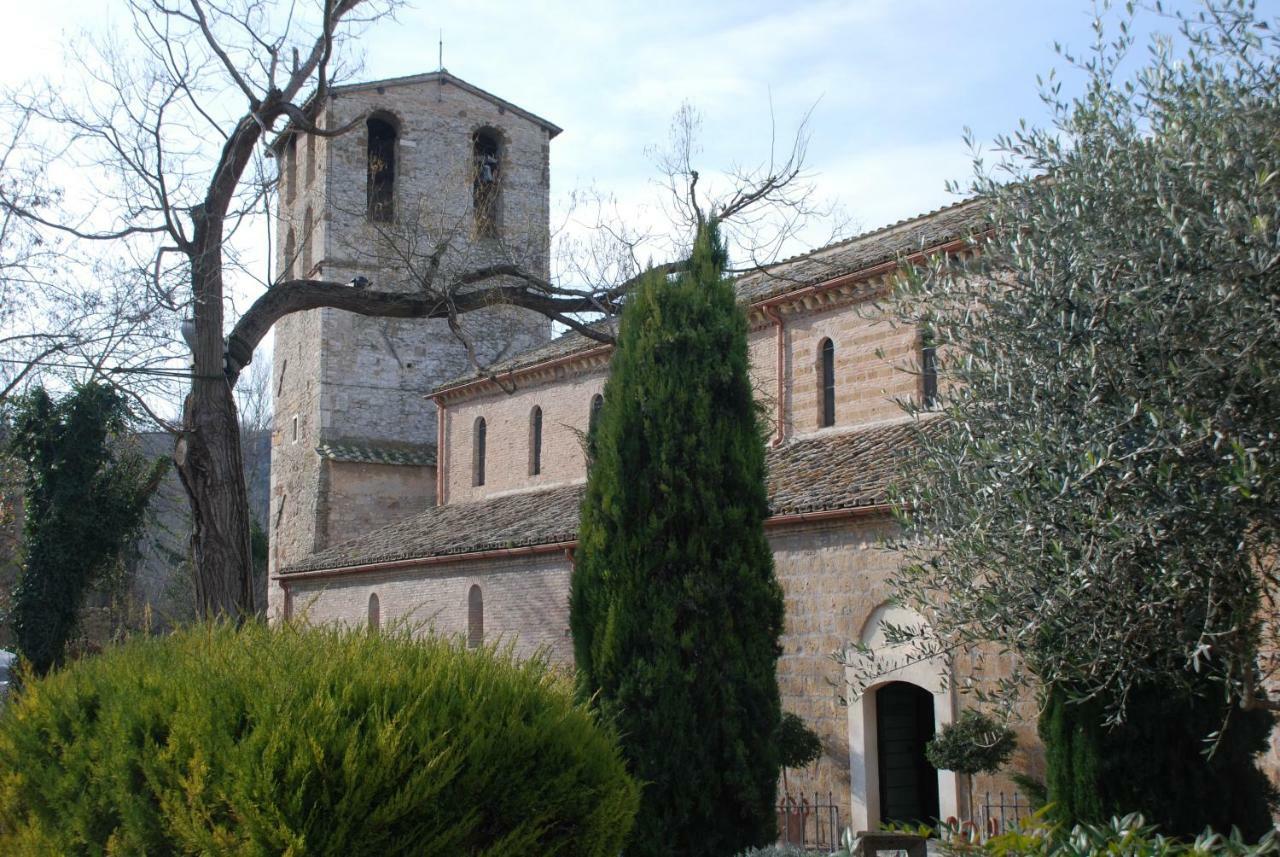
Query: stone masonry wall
x=362 y=497
x=295 y=467
x=867 y=385
x=526 y=600
x=833 y=576
x=359 y=379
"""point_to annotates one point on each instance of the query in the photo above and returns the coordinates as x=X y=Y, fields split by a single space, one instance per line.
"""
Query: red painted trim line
x=522 y=370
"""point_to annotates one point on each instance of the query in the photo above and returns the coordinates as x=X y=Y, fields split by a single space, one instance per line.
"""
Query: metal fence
x=812 y=824
x=1002 y=814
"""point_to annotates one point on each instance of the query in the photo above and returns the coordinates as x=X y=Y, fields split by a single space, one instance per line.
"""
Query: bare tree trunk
x=208 y=454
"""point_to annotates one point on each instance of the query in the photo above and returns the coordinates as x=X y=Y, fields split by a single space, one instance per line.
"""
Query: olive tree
x=1099 y=494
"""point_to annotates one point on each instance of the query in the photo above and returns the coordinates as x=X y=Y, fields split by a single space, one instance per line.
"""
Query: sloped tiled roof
x=370 y=452
x=864 y=251
x=838 y=471
x=516 y=520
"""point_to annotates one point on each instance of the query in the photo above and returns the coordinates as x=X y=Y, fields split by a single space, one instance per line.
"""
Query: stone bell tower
x=432 y=166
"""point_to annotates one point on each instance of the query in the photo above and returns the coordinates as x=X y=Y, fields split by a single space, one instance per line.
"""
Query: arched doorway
x=914 y=699
x=908 y=783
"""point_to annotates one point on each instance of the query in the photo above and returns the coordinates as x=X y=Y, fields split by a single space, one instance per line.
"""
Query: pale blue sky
x=895 y=81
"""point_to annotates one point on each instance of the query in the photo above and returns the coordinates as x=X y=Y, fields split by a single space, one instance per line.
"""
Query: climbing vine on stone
x=84 y=495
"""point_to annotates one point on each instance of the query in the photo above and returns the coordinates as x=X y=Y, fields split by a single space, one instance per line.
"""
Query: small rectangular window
x=295 y=429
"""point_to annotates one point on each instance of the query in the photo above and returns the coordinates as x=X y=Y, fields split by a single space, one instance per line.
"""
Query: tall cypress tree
x=675 y=609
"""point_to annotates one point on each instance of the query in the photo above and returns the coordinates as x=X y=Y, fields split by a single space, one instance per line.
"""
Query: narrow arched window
x=477 y=451
x=827 y=371
x=486 y=185
x=290 y=250
x=928 y=370
x=475 y=617
x=291 y=168
x=535 y=441
x=597 y=402
x=375 y=612
x=308 y=242
x=381 y=160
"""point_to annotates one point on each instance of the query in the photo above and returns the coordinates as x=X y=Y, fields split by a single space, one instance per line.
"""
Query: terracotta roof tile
x=836 y=471
x=867 y=250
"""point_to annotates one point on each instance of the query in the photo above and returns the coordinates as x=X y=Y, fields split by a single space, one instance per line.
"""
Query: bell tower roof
x=441 y=78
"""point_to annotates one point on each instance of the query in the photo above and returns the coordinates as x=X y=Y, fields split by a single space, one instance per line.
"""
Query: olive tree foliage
x=161 y=135
x=1099 y=496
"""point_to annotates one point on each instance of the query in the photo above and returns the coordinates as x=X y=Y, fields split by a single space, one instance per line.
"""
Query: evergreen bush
x=1159 y=762
x=675 y=609
x=302 y=741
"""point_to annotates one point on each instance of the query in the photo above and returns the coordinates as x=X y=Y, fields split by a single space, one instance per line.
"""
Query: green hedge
x=307 y=742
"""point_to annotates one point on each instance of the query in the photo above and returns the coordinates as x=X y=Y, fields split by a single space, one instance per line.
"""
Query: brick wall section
x=867 y=389
x=295 y=467
x=526 y=600
x=832 y=577
x=867 y=385
x=566 y=413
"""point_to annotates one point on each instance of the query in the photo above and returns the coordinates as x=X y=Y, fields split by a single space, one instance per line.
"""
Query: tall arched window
x=477 y=452
x=381 y=161
x=486 y=186
x=475 y=617
x=597 y=402
x=290 y=250
x=928 y=370
x=827 y=372
x=375 y=612
x=535 y=441
x=308 y=242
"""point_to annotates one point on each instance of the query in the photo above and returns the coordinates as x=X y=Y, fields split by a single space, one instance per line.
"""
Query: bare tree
x=171 y=207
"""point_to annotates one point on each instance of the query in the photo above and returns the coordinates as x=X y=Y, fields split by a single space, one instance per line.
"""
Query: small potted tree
x=973 y=744
x=798 y=745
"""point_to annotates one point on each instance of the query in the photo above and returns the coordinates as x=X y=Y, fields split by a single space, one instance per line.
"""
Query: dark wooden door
x=908 y=783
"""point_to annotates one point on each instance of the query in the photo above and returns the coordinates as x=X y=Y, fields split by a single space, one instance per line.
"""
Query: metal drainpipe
x=440 y=450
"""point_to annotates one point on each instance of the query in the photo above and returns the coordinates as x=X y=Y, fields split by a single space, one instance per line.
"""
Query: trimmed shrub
x=308 y=741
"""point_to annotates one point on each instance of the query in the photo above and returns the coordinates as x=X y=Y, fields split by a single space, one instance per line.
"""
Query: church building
x=407 y=489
